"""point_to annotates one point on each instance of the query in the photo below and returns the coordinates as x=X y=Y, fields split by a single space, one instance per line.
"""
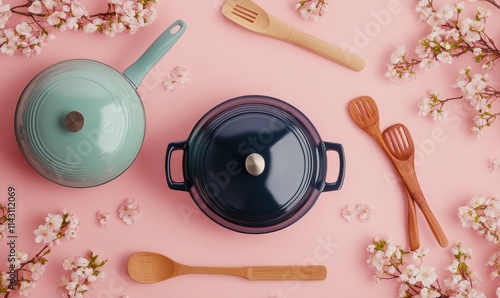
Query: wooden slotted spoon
x=364 y=112
x=150 y=267
x=251 y=16
x=401 y=146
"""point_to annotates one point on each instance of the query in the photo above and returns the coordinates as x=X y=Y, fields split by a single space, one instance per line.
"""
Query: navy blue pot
x=254 y=164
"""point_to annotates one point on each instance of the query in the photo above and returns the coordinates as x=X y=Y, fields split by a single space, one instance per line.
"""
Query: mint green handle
x=137 y=71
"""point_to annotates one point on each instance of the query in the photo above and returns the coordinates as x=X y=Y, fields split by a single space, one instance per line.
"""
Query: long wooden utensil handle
x=431 y=220
x=264 y=272
x=412 y=223
x=411 y=182
x=326 y=50
x=287 y=273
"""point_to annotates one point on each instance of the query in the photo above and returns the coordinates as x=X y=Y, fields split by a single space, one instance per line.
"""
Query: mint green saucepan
x=81 y=123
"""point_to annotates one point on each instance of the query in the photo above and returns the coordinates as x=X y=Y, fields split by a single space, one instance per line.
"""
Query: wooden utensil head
x=149 y=267
x=246 y=14
x=364 y=111
x=399 y=141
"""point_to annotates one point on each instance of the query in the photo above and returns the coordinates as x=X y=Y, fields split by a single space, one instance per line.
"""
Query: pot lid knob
x=255 y=164
x=74 y=121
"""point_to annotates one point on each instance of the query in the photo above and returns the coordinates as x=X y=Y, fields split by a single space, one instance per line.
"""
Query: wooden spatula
x=251 y=16
x=401 y=146
x=364 y=112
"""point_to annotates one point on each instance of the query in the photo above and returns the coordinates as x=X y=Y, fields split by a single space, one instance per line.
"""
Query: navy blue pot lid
x=254 y=164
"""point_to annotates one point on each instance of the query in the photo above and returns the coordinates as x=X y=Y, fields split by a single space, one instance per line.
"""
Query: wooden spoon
x=401 y=146
x=364 y=112
x=150 y=267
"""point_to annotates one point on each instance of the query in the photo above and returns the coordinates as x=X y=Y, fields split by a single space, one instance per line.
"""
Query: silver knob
x=74 y=121
x=255 y=164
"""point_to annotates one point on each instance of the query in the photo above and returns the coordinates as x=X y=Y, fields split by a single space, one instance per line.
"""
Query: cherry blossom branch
x=84 y=272
x=27 y=272
x=451 y=37
x=482 y=214
x=45 y=17
x=493 y=2
x=418 y=280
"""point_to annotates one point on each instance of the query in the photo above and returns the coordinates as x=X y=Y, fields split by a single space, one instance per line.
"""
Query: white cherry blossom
x=84 y=272
x=452 y=35
x=391 y=262
x=35 y=7
x=46 y=16
x=313 y=9
x=129 y=212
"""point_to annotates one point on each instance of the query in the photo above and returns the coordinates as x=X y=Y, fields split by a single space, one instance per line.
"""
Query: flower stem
x=494 y=3
x=452 y=98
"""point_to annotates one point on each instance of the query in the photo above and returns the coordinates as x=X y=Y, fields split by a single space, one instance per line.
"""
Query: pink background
x=226 y=61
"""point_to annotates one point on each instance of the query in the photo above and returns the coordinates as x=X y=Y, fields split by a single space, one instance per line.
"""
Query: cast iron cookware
x=254 y=164
x=81 y=123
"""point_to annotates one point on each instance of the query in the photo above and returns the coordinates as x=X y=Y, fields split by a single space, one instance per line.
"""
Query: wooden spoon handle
x=287 y=273
x=412 y=223
x=265 y=272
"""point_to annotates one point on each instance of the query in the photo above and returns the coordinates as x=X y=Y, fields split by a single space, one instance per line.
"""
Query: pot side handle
x=168 y=161
x=340 y=180
x=138 y=70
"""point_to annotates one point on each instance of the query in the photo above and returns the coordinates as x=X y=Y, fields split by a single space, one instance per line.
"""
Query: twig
x=493 y=2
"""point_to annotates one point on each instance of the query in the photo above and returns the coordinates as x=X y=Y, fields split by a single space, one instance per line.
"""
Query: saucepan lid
x=77 y=125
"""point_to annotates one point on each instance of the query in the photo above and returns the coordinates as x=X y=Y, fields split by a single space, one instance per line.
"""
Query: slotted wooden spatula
x=400 y=144
x=251 y=16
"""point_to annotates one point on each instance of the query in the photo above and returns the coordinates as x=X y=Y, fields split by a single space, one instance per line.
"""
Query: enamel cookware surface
x=81 y=123
x=254 y=164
